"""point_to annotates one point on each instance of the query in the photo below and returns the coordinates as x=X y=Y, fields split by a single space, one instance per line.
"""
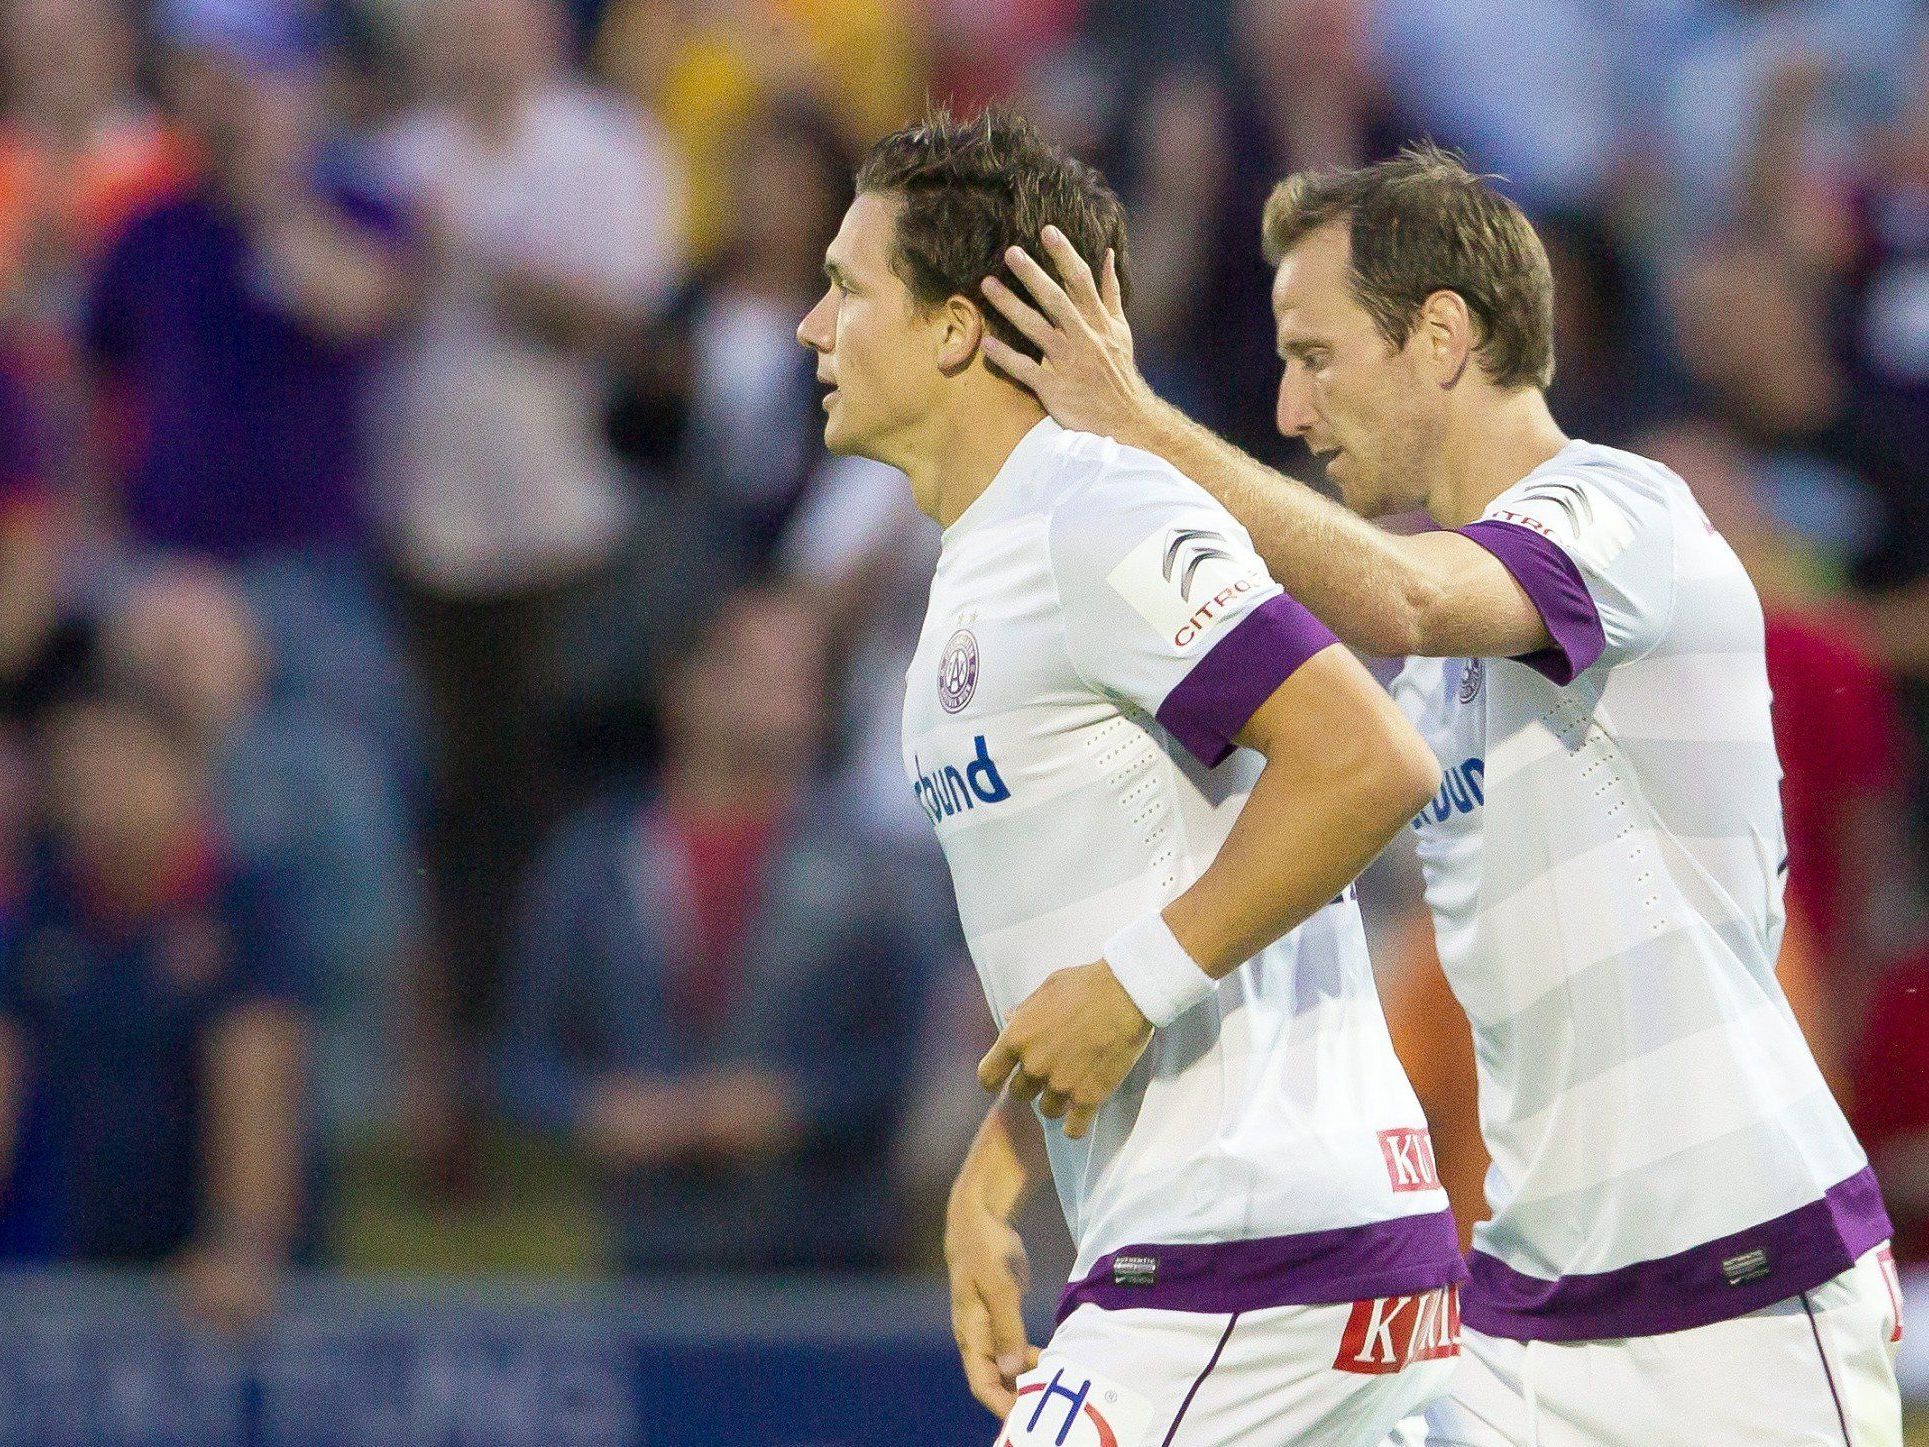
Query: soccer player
x=1146 y=764
x=1687 y=1245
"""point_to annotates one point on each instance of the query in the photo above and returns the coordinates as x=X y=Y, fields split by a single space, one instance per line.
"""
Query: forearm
x=1362 y=581
x=335 y=280
x=255 y=1148
x=1295 y=847
x=1006 y=1159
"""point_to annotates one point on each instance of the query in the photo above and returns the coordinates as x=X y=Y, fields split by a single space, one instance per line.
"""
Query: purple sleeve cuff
x=1551 y=581
x=1211 y=704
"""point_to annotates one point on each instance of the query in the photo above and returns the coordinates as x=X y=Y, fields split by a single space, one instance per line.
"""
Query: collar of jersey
x=1024 y=460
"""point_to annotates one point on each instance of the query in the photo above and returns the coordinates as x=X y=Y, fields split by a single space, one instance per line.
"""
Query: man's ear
x=961 y=331
x=1447 y=331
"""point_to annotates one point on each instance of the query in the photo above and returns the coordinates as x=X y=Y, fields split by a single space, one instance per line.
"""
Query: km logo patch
x=1390 y=1332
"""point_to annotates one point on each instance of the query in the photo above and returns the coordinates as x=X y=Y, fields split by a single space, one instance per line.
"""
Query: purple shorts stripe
x=1548 y=577
x=1199 y=1381
x=1715 y=1281
x=1210 y=705
x=1401 y=1257
x=1828 y=1372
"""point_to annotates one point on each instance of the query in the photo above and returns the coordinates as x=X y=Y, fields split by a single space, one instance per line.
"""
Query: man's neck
x=1488 y=451
x=961 y=450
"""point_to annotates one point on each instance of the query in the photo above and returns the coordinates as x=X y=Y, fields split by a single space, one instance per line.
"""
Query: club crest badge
x=958 y=671
x=1470 y=677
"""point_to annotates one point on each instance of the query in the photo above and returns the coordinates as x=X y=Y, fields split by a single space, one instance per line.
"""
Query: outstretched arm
x=1436 y=595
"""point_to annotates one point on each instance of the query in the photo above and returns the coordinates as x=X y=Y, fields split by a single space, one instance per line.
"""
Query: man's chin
x=836 y=439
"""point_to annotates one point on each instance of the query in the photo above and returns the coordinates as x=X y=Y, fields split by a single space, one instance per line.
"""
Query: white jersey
x=1605 y=864
x=1098 y=632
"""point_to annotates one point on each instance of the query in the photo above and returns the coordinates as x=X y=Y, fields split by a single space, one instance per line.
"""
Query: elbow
x=1410 y=621
x=1399 y=779
x=1400 y=624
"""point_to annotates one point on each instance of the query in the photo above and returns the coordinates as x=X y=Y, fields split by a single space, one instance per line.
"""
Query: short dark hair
x=973 y=188
x=1422 y=223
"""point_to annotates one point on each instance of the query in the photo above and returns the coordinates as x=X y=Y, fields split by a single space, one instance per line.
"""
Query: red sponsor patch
x=1390 y=1332
x=1409 y=1160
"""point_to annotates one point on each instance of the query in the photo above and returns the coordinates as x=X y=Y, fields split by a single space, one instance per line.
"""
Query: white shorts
x=1816 y=1369
x=1141 y=1377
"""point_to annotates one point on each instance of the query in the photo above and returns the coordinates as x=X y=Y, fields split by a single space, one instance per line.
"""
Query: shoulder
x=1596 y=502
x=1098 y=469
x=1585 y=475
x=1104 y=494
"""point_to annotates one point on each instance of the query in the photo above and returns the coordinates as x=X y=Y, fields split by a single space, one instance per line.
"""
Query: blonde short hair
x=1422 y=223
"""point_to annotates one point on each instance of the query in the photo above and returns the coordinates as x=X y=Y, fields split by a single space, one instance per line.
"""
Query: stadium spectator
x=1206 y=137
x=1805 y=325
x=1701 y=75
x=235 y=404
x=718 y=984
x=723 y=395
x=1892 y=1101
x=550 y=214
x=1851 y=248
x=708 y=68
x=985 y=51
x=80 y=151
x=1609 y=385
x=300 y=798
x=1535 y=90
x=859 y=541
x=248 y=385
x=151 y=1023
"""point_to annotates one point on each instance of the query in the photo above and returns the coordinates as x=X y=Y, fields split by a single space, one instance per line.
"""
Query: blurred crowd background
x=450 y=809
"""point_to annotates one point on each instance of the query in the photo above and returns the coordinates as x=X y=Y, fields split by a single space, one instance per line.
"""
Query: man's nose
x=810 y=331
x=1295 y=413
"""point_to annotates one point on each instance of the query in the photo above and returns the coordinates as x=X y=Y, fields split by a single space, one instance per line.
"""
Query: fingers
x=1025 y=1086
x=1109 y=289
x=1011 y=1354
x=1046 y=294
x=1030 y=323
x=1022 y=369
x=1052 y=1103
x=971 y=1326
x=1079 y=1120
x=997 y=1065
x=1078 y=275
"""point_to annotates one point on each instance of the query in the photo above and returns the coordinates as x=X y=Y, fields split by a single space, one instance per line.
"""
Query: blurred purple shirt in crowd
x=22 y=442
x=244 y=430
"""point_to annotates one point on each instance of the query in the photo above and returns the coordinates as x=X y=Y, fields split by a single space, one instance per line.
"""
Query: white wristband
x=1162 y=979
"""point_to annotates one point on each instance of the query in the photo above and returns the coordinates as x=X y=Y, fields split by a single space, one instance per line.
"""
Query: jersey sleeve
x=1594 y=550
x=1167 y=607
